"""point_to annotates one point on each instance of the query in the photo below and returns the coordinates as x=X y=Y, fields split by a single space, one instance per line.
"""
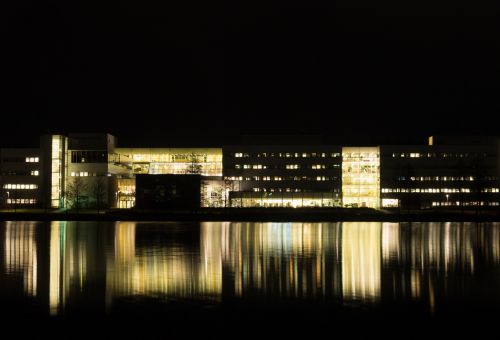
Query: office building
x=91 y=171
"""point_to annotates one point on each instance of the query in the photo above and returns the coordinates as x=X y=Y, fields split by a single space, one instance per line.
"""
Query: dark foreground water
x=229 y=280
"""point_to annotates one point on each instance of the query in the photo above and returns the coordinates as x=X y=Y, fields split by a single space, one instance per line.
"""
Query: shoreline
x=256 y=215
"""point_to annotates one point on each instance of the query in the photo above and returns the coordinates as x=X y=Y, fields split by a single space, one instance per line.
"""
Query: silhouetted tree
x=75 y=190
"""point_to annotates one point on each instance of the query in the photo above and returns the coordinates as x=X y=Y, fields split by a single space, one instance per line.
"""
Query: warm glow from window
x=361 y=177
x=56 y=171
x=361 y=260
x=390 y=203
x=208 y=161
x=18 y=186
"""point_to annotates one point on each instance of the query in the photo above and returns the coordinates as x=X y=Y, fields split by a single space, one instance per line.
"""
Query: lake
x=220 y=275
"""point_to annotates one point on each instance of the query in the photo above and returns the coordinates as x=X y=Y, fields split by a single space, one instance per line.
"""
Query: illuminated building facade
x=90 y=171
x=284 y=175
x=449 y=174
x=206 y=162
x=20 y=177
x=361 y=177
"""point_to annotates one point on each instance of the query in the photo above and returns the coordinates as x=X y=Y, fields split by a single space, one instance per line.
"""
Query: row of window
x=286 y=166
x=289 y=154
x=32 y=159
x=20 y=186
x=280 y=178
x=287 y=190
x=445 y=178
x=431 y=155
x=21 y=173
x=469 y=204
x=437 y=190
x=439 y=178
x=21 y=201
x=363 y=156
x=89 y=157
x=86 y=174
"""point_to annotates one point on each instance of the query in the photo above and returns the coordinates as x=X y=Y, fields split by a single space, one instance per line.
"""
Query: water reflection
x=75 y=265
x=21 y=254
x=164 y=270
x=361 y=261
x=293 y=260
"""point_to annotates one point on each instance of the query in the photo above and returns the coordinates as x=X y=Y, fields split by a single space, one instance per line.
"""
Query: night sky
x=180 y=73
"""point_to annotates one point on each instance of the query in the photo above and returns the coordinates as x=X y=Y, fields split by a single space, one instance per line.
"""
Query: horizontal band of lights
x=20 y=186
x=21 y=200
x=174 y=161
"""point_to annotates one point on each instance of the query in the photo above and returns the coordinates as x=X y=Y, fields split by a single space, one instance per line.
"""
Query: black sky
x=158 y=72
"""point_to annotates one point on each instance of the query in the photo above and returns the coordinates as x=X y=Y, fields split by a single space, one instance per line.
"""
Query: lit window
x=20 y=186
x=238 y=154
x=34 y=173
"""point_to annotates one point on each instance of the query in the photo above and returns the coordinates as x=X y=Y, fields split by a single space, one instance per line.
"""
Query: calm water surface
x=419 y=270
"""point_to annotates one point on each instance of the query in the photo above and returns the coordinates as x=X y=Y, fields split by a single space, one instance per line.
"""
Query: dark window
x=14 y=159
x=89 y=156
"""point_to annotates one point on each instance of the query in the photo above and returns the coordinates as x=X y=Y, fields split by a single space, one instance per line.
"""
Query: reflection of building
x=289 y=260
x=21 y=256
x=164 y=271
x=361 y=261
x=74 y=266
x=448 y=172
x=425 y=260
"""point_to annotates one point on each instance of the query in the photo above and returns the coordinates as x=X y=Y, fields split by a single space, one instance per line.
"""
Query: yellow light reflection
x=292 y=260
x=55 y=268
x=21 y=253
x=361 y=177
x=361 y=259
x=167 y=271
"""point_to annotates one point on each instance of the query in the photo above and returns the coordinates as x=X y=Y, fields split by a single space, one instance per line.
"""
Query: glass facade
x=284 y=200
x=175 y=161
x=56 y=180
x=361 y=177
x=125 y=195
